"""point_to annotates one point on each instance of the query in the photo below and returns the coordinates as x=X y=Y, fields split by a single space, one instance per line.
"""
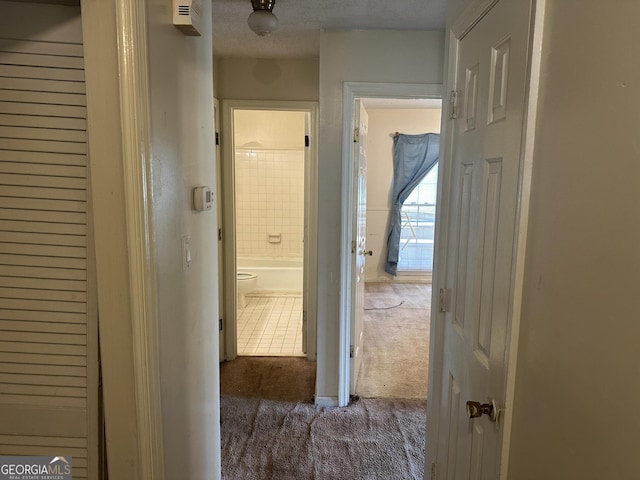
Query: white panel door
x=490 y=79
x=359 y=247
x=48 y=320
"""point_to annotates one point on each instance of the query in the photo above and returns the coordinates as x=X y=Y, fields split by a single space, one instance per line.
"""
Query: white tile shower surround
x=270 y=325
x=269 y=201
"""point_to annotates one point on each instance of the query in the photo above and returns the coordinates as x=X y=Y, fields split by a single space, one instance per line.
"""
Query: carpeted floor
x=271 y=430
x=395 y=341
x=290 y=379
x=369 y=439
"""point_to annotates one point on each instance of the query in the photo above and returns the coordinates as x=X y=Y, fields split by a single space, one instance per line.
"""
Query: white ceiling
x=302 y=20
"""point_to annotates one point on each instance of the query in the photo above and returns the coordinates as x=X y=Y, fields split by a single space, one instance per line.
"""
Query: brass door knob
x=477 y=409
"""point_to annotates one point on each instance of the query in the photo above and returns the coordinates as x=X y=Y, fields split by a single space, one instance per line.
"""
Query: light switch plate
x=186 y=251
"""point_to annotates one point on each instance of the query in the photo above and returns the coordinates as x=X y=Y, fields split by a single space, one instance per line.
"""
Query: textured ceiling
x=302 y=20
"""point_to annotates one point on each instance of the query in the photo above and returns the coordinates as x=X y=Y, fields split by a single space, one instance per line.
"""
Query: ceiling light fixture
x=262 y=21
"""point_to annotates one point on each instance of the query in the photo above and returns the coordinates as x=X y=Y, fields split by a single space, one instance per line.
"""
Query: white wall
x=383 y=123
x=576 y=409
x=182 y=151
x=268 y=129
x=267 y=79
x=356 y=56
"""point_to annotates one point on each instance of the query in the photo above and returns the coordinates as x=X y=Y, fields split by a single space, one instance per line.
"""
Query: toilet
x=246 y=283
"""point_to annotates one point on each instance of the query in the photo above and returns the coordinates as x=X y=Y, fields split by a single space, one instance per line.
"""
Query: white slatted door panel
x=48 y=361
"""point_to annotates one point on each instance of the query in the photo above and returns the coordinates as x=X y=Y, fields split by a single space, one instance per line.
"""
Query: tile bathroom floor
x=270 y=325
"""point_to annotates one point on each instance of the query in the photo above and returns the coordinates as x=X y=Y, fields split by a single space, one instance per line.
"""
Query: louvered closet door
x=48 y=344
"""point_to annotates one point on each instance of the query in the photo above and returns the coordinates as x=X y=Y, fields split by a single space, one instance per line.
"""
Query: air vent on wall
x=187 y=16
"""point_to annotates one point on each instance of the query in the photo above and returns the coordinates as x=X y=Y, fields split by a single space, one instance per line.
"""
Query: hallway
x=270 y=429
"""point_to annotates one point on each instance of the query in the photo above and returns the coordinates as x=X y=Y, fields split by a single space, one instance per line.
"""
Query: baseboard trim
x=326 y=402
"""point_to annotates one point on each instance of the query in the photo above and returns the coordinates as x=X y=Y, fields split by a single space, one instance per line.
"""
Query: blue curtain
x=413 y=157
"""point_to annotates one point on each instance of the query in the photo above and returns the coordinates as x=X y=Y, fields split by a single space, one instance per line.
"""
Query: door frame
x=476 y=10
x=119 y=133
x=219 y=218
x=229 y=213
x=351 y=91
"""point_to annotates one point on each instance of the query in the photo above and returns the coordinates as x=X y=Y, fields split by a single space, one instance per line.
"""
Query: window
x=418 y=222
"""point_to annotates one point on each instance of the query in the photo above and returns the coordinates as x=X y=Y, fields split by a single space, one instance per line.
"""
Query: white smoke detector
x=187 y=16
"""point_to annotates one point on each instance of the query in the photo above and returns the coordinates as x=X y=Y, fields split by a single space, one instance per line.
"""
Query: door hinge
x=304 y=317
x=434 y=471
x=356 y=135
x=453 y=104
x=217 y=138
x=220 y=324
x=307 y=141
x=219 y=234
x=443 y=300
x=351 y=351
x=353 y=246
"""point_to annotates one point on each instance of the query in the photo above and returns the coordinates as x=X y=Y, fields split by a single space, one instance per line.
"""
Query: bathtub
x=274 y=274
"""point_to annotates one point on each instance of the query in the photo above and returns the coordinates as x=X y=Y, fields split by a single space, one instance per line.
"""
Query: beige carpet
x=370 y=439
x=290 y=379
x=396 y=341
x=271 y=430
x=395 y=358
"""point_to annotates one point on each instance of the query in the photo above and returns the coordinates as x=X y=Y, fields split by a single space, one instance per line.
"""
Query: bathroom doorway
x=269 y=174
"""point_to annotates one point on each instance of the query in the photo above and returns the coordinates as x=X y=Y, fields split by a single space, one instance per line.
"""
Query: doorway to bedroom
x=395 y=336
